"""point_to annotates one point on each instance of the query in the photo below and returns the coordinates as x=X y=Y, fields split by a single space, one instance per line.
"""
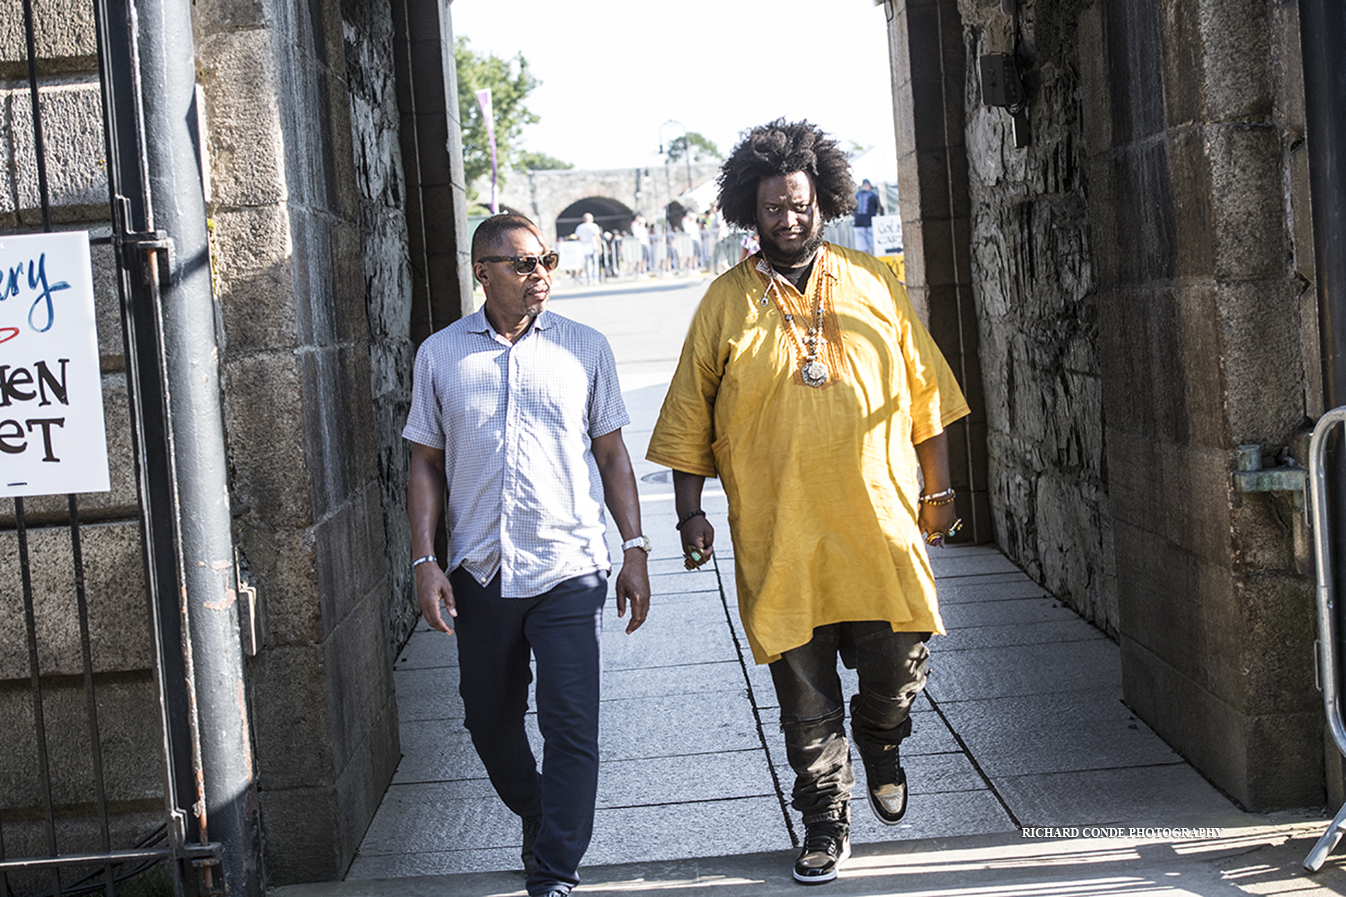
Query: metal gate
x=77 y=843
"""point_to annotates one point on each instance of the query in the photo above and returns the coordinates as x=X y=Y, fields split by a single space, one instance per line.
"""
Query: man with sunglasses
x=516 y=417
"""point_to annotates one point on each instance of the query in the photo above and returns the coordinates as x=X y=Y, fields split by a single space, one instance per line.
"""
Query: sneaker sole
x=823 y=879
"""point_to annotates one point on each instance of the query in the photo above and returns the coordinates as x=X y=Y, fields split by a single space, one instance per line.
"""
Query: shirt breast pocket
x=560 y=395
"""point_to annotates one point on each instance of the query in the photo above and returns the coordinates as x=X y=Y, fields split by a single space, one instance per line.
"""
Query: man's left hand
x=633 y=584
x=936 y=518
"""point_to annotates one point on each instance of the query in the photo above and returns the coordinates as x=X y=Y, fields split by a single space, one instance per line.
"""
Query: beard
x=780 y=257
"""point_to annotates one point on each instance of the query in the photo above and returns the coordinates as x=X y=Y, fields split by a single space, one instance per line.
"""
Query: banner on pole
x=488 y=116
x=52 y=438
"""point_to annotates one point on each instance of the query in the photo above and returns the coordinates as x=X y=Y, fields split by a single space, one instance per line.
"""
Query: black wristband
x=688 y=516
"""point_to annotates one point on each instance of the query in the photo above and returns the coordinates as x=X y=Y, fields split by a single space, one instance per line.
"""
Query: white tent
x=699 y=200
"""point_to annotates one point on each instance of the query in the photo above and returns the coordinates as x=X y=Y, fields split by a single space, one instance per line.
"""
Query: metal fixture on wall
x=1002 y=82
x=1322 y=28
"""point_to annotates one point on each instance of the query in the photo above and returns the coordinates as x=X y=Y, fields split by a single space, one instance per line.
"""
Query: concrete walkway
x=1028 y=774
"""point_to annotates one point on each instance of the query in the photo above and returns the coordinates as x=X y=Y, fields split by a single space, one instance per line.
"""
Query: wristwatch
x=641 y=542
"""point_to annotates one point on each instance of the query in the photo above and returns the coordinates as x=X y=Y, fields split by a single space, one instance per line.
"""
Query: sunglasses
x=526 y=264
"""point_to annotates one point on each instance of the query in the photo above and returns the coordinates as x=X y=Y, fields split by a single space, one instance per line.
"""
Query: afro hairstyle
x=782 y=148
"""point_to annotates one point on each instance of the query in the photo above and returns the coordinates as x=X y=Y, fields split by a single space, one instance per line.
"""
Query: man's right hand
x=698 y=542
x=433 y=592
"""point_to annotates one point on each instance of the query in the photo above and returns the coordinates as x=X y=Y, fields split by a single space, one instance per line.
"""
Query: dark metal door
x=73 y=839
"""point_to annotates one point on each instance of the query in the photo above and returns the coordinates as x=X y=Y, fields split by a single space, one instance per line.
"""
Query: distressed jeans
x=892 y=668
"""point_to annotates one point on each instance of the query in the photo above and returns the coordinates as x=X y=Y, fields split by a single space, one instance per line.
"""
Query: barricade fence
x=664 y=252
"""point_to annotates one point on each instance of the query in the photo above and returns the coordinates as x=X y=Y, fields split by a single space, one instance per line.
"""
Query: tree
x=510 y=81
x=703 y=149
x=531 y=161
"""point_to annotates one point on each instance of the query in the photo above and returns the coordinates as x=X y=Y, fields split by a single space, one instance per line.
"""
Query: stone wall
x=1142 y=278
x=928 y=56
x=307 y=191
x=1032 y=262
x=544 y=195
x=368 y=38
x=1194 y=138
x=294 y=196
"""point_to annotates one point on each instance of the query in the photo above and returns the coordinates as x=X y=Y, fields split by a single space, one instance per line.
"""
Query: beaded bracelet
x=938 y=498
x=688 y=516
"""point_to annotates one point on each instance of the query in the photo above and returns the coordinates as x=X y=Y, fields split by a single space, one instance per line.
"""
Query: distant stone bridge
x=557 y=200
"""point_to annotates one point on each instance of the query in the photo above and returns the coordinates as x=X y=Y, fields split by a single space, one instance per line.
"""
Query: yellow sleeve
x=936 y=399
x=685 y=431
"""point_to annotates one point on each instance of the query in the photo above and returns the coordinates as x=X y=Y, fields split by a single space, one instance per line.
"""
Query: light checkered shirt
x=516 y=423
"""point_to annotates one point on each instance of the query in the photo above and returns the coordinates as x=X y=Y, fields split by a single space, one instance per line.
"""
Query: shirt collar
x=478 y=323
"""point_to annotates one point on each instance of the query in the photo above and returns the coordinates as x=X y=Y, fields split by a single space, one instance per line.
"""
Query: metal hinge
x=148 y=242
x=1251 y=476
x=247 y=606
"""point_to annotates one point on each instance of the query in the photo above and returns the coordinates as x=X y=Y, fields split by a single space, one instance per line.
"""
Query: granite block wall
x=1032 y=249
x=307 y=192
x=307 y=187
x=1201 y=191
x=369 y=39
x=928 y=56
x=1142 y=281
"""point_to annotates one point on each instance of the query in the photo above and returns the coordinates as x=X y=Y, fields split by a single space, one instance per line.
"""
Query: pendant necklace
x=812 y=370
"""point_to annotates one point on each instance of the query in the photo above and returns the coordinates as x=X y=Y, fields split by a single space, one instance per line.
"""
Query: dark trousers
x=561 y=629
x=892 y=668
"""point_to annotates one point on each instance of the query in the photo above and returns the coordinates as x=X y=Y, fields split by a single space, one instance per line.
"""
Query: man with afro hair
x=808 y=385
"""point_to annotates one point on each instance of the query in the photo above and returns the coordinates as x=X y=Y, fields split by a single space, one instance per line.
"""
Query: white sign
x=52 y=439
x=572 y=255
x=887 y=234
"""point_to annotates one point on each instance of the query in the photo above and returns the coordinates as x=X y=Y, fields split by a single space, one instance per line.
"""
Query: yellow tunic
x=821 y=483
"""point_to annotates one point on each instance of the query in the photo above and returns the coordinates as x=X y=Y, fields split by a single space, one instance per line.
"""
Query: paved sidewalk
x=1248 y=860
x=1021 y=744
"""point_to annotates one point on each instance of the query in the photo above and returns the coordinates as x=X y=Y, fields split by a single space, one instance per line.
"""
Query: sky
x=615 y=73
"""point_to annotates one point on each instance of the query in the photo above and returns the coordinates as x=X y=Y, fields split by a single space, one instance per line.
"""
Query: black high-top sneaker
x=886 y=783
x=826 y=846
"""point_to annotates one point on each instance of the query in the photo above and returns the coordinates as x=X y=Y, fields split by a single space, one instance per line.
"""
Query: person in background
x=693 y=231
x=658 y=249
x=719 y=229
x=703 y=236
x=751 y=246
x=867 y=205
x=670 y=243
x=611 y=265
x=641 y=234
x=590 y=236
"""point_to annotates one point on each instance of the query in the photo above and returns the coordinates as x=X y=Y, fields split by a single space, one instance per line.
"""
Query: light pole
x=686 y=149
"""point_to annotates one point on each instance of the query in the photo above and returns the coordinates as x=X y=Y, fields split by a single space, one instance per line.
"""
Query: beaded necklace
x=812 y=370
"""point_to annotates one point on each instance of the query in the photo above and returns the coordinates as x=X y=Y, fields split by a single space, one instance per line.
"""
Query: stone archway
x=609 y=214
